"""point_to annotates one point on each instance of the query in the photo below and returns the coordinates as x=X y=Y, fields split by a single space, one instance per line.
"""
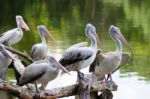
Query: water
x=66 y=20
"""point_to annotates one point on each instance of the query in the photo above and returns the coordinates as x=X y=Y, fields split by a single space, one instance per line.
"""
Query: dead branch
x=20 y=53
x=15 y=90
x=71 y=90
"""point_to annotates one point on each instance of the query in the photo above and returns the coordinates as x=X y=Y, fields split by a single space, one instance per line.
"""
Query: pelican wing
x=34 y=47
x=32 y=73
x=75 y=54
x=82 y=44
x=124 y=60
x=99 y=57
x=7 y=35
x=39 y=51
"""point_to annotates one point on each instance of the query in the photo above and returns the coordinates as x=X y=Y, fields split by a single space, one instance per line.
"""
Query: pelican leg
x=31 y=87
x=108 y=76
x=3 y=74
x=43 y=85
x=110 y=83
x=37 y=89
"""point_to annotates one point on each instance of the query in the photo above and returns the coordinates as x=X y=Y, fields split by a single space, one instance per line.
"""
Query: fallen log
x=23 y=93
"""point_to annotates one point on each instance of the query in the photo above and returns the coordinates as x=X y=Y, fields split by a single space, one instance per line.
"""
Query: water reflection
x=66 y=19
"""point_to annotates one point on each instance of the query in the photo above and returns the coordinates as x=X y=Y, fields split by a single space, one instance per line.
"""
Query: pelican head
x=116 y=34
x=91 y=31
x=56 y=64
x=21 y=22
x=5 y=52
x=43 y=30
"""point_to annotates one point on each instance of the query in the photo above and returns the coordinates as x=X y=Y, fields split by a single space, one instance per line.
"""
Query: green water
x=66 y=20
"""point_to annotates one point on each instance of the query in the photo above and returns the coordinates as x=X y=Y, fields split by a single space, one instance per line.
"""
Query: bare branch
x=15 y=90
x=19 y=53
x=71 y=90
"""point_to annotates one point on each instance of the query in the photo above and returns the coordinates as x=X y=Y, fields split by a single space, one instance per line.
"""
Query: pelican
x=39 y=51
x=14 y=35
x=80 y=56
x=5 y=61
x=107 y=63
x=41 y=71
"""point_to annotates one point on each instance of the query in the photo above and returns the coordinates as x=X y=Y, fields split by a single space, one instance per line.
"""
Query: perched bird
x=107 y=63
x=41 y=71
x=5 y=61
x=39 y=51
x=14 y=35
x=80 y=56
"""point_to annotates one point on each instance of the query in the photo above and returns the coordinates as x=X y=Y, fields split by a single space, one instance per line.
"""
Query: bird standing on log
x=41 y=71
x=39 y=51
x=80 y=56
x=107 y=63
x=13 y=36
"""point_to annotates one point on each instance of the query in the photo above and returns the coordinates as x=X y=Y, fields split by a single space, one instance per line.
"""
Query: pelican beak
x=59 y=66
x=48 y=34
x=124 y=41
x=24 y=25
x=100 y=45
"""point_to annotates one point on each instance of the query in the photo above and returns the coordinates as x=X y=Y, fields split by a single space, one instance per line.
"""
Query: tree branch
x=20 y=54
x=71 y=90
x=15 y=90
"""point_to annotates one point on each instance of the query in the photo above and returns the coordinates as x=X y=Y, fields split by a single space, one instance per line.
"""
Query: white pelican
x=107 y=63
x=80 y=56
x=41 y=71
x=5 y=61
x=14 y=35
x=39 y=51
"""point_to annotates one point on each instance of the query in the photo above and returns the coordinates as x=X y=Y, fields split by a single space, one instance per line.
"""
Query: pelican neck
x=20 y=29
x=42 y=38
x=119 y=45
x=93 y=41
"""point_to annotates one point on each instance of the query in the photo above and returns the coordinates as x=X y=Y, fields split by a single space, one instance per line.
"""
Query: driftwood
x=71 y=90
x=88 y=81
x=85 y=82
x=19 y=53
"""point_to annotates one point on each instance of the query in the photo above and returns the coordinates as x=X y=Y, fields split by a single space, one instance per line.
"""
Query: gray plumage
x=39 y=51
x=41 y=71
x=107 y=63
x=80 y=56
x=14 y=35
x=100 y=58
